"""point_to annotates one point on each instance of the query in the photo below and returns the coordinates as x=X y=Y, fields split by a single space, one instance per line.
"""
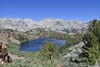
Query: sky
x=83 y=10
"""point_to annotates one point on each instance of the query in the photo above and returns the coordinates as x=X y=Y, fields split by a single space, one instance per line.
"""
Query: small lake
x=36 y=45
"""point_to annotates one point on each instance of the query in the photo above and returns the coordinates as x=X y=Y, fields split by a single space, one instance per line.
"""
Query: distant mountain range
x=47 y=24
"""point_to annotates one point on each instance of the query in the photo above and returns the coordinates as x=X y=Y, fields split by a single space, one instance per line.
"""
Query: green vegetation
x=70 y=41
x=91 y=38
x=49 y=51
x=13 y=48
x=22 y=37
x=6 y=30
x=49 y=55
x=35 y=59
x=31 y=63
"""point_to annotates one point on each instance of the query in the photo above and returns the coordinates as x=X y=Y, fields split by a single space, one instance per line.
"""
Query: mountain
x=48 y=24
x=17 y=24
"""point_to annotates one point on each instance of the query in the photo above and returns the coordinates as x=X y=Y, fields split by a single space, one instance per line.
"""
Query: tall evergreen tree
x=91 y=49
x=49 y=51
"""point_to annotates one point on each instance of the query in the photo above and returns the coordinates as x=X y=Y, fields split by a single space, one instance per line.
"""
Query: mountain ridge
x=50 y=24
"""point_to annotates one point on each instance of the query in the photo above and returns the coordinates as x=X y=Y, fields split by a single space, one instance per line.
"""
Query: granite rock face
x=75 y=50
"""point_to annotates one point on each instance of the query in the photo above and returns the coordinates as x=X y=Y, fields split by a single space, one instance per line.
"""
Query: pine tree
x=49 y=51
x=91 y=49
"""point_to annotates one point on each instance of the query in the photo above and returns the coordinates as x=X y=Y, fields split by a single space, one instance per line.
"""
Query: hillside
x=14 y=32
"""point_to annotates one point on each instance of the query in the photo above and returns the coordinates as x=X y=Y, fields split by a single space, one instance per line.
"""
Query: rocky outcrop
x=74 y=50
x=4 y=55
x=15 y=57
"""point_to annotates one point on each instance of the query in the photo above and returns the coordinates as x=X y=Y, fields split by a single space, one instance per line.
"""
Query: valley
x=44 y=46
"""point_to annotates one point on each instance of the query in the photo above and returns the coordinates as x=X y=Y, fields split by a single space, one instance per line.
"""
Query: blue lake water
x=36 y=45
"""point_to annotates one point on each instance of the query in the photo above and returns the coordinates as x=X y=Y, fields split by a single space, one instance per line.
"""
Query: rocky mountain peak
x=28 y=24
